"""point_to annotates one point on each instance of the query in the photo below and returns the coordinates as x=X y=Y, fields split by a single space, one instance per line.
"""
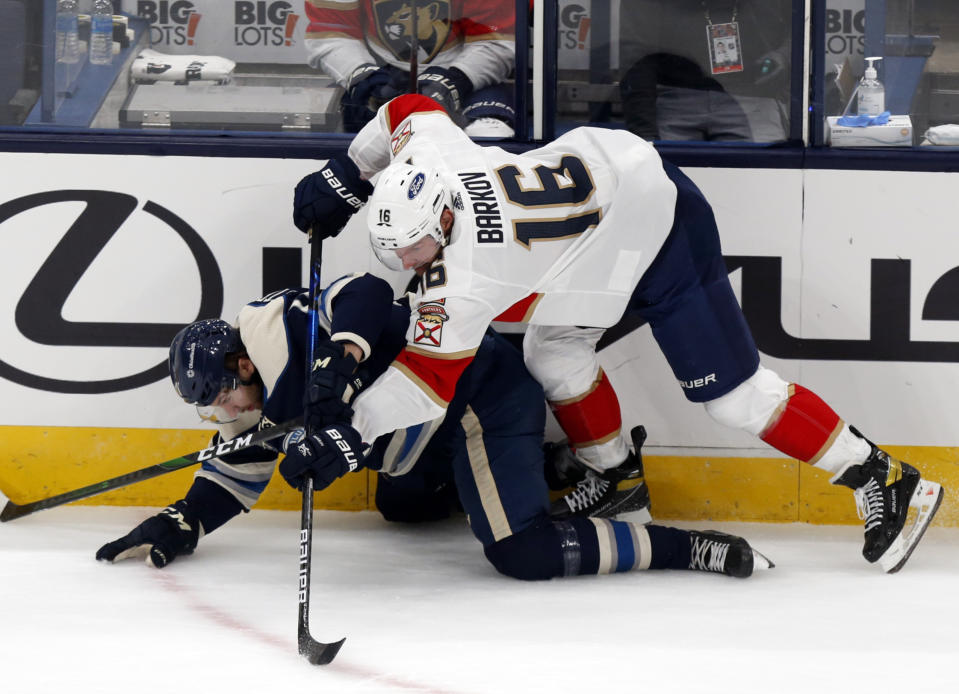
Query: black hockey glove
x=160 y=538
x=325 y=200
x=370 y=88
x=324 y=456
x=331 y=387
x=449 y=87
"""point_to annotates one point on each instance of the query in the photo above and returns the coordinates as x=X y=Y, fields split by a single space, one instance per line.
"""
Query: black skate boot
x=563 y=469
x=711 y=550
x=884 y=489
x=621 y=489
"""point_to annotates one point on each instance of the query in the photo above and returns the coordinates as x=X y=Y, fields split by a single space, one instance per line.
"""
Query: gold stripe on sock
x=829 y=442
x=642 y=548
x=608 y=557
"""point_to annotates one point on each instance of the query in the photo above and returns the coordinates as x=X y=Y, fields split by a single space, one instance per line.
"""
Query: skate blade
x=761 y=562
x=926 y=499
x=640 y=516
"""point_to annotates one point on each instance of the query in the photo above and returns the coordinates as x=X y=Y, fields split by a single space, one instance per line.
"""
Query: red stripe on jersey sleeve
x=521 y=311
x=439 y=375
x=403 y=106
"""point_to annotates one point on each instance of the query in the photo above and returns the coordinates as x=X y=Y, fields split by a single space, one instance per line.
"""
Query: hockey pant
x=489 y=450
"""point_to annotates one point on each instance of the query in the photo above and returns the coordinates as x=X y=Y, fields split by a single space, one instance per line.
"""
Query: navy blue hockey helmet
x=197 y=360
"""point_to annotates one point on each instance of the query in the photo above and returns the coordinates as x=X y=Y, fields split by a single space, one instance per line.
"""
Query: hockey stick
x=12 y=511
x=317 y=652
x=414 y=48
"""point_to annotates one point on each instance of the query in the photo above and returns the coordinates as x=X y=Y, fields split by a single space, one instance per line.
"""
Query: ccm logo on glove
x=341 y=189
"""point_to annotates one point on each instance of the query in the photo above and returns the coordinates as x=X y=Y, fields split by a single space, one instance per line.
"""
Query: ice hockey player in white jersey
x=487 y=452
x=577 y=233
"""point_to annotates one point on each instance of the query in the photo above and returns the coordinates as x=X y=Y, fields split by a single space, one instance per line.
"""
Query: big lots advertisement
x=247 y=31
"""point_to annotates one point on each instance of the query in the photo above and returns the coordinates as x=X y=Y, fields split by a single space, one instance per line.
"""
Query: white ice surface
x=422 y=611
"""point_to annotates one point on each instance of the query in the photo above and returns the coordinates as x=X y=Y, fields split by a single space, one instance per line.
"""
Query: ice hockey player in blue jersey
x=488 y=447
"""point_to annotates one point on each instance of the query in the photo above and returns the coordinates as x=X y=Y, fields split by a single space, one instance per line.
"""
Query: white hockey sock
x=848 y=449
x=606 y=455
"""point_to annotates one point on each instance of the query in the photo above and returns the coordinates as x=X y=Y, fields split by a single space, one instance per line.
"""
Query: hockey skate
x=600 y=495
x=710 y=550
x=885 y=489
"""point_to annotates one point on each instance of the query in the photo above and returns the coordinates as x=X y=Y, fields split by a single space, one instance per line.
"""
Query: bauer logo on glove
x=323 y=456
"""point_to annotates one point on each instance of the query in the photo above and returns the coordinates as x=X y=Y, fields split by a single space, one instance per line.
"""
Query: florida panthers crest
x=429 y=325
x=394 y=26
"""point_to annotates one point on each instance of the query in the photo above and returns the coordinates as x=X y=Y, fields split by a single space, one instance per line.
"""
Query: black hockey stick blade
x=316 y=652
x=638 y=435
x=12 y=511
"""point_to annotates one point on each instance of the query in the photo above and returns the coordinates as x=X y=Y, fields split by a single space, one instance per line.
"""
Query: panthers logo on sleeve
x=401 y=138
x=429 y=325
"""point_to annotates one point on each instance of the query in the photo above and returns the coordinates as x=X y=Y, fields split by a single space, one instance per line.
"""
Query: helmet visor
x=412 y=257
x=223 y=409
x=215 y=415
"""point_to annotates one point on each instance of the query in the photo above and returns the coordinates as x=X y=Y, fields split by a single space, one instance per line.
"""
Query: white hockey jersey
x=556 y=236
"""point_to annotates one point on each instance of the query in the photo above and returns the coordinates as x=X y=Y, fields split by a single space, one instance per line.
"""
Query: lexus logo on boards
x=39 y=310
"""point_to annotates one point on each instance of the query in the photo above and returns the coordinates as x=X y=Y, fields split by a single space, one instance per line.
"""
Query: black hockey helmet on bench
x=198 y=360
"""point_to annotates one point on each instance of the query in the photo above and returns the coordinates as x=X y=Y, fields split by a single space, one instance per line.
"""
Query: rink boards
x=848 y=280
x=38 y=462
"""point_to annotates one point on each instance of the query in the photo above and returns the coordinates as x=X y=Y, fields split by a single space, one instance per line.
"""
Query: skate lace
x=587 y=492
x=869 y=504
x=717 y=555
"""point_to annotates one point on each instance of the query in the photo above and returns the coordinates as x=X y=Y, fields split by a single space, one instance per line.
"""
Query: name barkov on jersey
x=489 y=223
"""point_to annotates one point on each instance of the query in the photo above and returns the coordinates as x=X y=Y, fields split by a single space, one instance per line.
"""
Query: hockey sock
x=670 y=547
x=583 y=546
x=620 y=546
x=593 y=424
x=848 y=449
x=804 y=427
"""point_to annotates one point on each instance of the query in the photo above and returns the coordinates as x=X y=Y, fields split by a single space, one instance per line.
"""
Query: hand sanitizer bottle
x=872 y=95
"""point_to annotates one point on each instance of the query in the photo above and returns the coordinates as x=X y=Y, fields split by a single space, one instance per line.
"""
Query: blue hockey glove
x=323 y=456
x=449 y=87
x=159 y=539
x=325 y=200
x=369 y=89
x=331 y=387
